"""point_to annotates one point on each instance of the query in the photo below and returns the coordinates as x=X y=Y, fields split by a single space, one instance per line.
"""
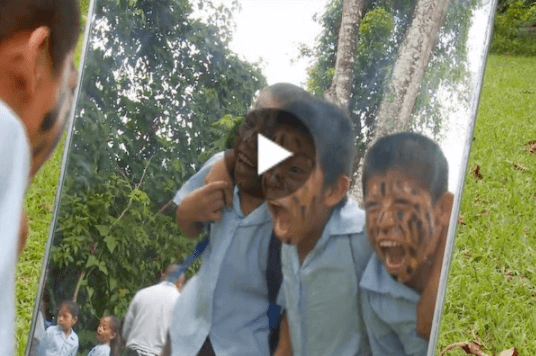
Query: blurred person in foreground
x=37 y=43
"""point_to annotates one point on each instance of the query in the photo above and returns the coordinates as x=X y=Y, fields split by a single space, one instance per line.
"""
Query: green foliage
x=515 y=28
x=492 y=282
x=380 y=36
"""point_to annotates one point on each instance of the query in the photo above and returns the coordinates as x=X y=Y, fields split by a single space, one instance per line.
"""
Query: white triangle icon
x=269 y=154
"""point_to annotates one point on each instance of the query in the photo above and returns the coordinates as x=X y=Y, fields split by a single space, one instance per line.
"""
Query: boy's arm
x=284 y=347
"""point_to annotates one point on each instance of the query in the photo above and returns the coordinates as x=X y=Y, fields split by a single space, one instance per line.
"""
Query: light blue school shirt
x=100 y=350
x=228 y=299
x=321 y=297
x=14 y=173
x=54 y=343
x=390 y=311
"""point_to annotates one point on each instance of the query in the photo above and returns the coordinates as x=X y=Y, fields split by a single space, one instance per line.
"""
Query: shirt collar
x=258 y=216
x=377 y=279
x=60 y=332
x=346 y=219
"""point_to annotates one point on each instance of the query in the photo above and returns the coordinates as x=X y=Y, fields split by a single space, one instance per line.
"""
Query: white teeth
x=389 y=244
x=245 y=159
x=390 y=264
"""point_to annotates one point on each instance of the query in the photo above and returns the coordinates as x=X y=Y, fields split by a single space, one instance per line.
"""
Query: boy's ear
x=336 y=192
x=36 y=56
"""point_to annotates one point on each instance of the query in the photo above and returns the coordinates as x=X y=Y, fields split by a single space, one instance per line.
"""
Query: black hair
x=71 y=306
x=413 y=153
x=333 y=135
x=115 y=343
x=62 y=17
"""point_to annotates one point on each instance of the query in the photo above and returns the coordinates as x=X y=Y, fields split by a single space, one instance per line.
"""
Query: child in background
x=61 y=340
x=407 y=205
x=108 y=336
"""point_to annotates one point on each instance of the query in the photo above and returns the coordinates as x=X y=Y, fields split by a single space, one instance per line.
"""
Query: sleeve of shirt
x=43 y=344
x=197 y=180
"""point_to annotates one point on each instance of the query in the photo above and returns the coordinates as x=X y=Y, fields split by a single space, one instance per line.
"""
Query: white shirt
x=14 y=174
x=149 y=317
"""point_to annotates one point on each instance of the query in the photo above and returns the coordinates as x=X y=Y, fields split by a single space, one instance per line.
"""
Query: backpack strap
x=274 y=277
x=198 y=250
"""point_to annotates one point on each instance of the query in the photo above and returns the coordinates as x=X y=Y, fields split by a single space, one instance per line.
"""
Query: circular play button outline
x=255 y=153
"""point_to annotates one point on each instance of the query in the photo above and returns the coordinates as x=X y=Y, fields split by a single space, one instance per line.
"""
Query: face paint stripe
x=48 y=121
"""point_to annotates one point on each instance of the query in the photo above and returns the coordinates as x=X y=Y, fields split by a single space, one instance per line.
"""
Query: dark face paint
x=399 y=222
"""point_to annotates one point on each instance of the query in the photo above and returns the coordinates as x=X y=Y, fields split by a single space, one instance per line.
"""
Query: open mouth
x=281 y=218
x=394 y=253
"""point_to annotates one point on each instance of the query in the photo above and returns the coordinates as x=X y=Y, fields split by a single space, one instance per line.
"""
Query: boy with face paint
x=222 y=310
x=405 y=181
x=37 y=42
x=324 y=250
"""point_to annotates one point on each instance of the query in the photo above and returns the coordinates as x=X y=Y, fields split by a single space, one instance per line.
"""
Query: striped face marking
x=400 y=222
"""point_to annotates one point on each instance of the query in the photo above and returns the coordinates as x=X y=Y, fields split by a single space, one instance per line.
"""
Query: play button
x=259 y=150
x=269 y=154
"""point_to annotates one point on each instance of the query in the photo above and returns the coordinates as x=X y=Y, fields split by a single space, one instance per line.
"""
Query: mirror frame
x=453 y=225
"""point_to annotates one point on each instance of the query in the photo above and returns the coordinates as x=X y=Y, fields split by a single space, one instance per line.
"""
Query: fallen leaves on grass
x=476 y=172
x=460 y=219
x=530 y=146
x=484 y=212
x=475 y=348
x=517 y=166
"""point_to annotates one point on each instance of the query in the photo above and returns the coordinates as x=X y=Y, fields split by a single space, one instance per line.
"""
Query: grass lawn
x=492 y=284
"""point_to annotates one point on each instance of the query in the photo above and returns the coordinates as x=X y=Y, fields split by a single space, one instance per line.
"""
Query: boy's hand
x=220 y=173
x=284 y=347
x=426 y=305
x=203 y=204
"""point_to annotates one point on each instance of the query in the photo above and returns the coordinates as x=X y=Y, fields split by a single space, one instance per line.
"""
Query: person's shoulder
x=53 y=329
x=347 y=219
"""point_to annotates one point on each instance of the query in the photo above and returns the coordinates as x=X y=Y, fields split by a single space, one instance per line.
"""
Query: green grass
x=492 y=284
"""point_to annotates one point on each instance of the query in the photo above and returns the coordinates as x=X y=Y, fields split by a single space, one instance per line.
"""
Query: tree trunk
x=408 y=73
x=410 y=67
x=341 y=85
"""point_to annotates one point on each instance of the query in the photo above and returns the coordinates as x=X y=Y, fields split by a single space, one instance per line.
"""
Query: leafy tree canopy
x=161 y=91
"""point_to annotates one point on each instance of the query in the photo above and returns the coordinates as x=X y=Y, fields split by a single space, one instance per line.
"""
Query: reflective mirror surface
x=162 y=91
